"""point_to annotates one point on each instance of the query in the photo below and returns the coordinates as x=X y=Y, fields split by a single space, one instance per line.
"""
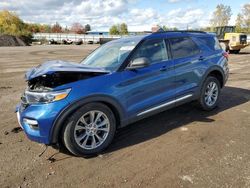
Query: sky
x=140 y=15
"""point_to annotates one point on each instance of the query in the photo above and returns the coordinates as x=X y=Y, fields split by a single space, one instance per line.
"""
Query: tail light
x=225 y=54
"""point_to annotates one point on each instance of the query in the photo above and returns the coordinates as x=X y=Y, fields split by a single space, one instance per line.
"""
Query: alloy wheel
x=211 y=94
x=92 y=129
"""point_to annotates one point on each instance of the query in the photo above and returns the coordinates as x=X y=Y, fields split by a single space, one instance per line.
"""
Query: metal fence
x=86 y=38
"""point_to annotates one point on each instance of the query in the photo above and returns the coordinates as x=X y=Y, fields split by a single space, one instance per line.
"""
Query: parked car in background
x=67 y=41
x=82 y=105
x=78 y=42
x=52 y=41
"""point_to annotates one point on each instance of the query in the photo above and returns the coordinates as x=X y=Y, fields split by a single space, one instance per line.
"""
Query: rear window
x=183 y=47
x=211 y=42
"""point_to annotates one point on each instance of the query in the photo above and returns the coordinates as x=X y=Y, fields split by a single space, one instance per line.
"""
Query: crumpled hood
x=50 y=67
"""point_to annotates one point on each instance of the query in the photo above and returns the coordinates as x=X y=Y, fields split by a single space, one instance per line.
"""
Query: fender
x=58 y=123
x=208 y=71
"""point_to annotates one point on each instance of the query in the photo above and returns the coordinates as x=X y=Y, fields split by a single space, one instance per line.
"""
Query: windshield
x=111 y=55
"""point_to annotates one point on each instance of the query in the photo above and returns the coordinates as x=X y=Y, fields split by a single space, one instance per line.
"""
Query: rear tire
x=89 y=130
x=210 y=93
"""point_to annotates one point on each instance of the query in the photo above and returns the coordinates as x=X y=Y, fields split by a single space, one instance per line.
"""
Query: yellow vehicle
x=231 y=41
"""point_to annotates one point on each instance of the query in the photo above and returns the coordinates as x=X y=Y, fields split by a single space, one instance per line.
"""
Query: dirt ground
x=182 y=147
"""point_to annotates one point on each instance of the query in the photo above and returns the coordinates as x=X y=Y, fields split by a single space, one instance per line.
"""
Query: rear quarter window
x=183 y=47
x=211 y=42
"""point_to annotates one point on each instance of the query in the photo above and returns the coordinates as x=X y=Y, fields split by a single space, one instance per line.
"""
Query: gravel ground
x=8 y=40
x=181 y=147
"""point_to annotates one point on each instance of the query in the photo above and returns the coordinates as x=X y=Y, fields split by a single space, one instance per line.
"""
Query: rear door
x=149 y=86
x=188 y=64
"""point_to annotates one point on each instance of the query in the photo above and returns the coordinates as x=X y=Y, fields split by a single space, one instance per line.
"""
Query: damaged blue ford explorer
x=82 y=105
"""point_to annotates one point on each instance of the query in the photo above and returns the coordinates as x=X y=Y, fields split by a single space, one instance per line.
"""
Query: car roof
x=165 y=34
x=170 y=34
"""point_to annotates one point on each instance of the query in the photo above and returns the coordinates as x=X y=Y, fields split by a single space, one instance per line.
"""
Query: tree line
x=11 y=24
x=222 y=15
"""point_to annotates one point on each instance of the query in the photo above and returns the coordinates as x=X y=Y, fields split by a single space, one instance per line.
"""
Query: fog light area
x=32 y=123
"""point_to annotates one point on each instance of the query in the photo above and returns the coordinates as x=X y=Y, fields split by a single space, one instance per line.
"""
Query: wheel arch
x=215 y=71
x=112 y=103
x=217 y=74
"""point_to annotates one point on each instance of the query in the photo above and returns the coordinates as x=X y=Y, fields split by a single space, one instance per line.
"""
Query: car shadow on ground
x=161 y=123
x=166 y=121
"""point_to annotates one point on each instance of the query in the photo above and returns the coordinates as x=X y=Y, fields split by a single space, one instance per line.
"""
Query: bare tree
x=221 y=15
x=77 y=28
x=243 y=19
x=57 y=28
x=246 y=16
x=239 y=23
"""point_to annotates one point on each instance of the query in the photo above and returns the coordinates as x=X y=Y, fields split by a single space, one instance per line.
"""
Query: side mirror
x=138 y=63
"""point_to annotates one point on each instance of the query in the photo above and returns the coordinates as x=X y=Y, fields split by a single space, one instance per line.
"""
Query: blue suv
x=82 y=105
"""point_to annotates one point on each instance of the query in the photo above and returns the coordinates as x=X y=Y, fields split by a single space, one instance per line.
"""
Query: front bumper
x=44 y=115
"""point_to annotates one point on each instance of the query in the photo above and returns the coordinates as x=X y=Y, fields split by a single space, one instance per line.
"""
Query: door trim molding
x=165 y=104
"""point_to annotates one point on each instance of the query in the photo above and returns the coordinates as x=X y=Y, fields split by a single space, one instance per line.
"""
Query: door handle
x=164 y=69
x=201 y=58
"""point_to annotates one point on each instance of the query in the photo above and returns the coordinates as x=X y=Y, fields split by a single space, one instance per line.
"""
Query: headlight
x=45 y=97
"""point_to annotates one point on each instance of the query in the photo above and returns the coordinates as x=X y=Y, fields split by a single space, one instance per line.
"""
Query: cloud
x=174 y=1
x=177 y=1
x=101 y=14
x=183 y=18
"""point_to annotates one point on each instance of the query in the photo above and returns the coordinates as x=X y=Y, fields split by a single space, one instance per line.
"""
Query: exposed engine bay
x=47 y=82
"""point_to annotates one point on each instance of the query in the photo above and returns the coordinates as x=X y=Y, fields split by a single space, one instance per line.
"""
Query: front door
x=149 y=87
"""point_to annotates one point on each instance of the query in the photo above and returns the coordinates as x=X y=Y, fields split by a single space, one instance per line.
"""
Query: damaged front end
x=48 y=93
x=47 y=82
x=43 y=79
x=51 y=74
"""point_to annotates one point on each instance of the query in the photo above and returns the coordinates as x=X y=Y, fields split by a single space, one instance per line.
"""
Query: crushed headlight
x=45 y=97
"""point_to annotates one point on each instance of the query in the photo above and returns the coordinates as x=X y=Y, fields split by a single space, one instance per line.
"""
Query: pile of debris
x=8 y=40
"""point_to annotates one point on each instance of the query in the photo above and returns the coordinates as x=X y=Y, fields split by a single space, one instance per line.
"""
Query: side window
x=183 y=47
x=210 y=42
x=153 y=49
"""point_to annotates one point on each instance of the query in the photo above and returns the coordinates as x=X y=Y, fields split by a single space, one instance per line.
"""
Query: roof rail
x=180 y=31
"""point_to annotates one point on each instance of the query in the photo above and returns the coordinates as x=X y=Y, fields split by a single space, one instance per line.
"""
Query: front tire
x=89 y=130
x=210 y=93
